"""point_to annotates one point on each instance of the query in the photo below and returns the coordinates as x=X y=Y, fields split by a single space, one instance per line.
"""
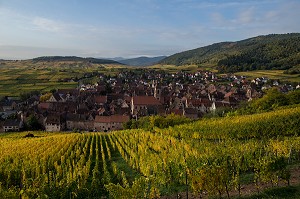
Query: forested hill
x=142 y=61
x=74 y=58
x=275 y=51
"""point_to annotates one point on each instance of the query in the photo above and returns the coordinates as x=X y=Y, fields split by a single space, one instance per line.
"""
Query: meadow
x=271 y=74
x=206 y=158
x=186 y=68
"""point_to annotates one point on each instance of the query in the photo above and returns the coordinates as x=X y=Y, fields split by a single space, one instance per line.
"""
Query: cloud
x=247 y=16
x=239 y=19
x=166 y=28
x=224 y=4
x=45 y=24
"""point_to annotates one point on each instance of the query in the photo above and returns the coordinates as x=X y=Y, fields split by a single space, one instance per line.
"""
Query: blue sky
x=130 y=28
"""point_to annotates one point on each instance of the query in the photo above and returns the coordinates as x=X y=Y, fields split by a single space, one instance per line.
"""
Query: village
x=112 y=101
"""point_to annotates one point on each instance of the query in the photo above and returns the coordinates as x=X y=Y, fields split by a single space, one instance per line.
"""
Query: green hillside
x=142 y=61
x=74 y=59
x=276 y=51
x=207 y=157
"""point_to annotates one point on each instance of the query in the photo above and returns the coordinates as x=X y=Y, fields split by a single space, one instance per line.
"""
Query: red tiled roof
x=44 y=105
x=199 y=102
x=127 y=99
x=228 y=94
x=145 y=100
x=195 y=102
x=100 y=99
x=112 y=118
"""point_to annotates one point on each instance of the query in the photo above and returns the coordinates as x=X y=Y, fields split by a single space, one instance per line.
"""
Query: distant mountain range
x=74 y=58
x=141 y=61
x=275 y=51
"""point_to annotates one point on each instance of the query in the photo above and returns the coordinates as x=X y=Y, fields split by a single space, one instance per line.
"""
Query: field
x=272 y=74
x=25 y=76
x=206 y=158
x=185 y=68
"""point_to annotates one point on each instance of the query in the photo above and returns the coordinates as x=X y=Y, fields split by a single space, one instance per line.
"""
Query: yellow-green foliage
x=45 y=97
x=210 y=155
x=284 y=122
x=271 y=74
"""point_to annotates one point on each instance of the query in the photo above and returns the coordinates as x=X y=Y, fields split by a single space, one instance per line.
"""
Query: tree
x=294 y=97
x=33 y=123
x=272 y=99
x=45 y=97
x=25 y=95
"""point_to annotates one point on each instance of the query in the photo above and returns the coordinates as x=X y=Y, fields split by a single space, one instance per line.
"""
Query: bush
x=29 y=135
x=150 y=122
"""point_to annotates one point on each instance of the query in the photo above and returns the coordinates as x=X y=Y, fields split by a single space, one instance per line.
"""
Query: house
x=176 y=111
x=54 y=122
x=68 y=94
x=12 y=125
x=8 y=105
x=56 y=97
x=43 y=106
x=110 y=123
x=148 y=105
x=230 y=101
x=191 y=113
x=61 y=107
x=202 y=105
x=217 y=105
x=179 y=103
x=80 y=122
x=32 y=101
x=100 y=100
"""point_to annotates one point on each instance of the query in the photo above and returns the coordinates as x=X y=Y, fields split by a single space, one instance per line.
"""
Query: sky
x=132 y=28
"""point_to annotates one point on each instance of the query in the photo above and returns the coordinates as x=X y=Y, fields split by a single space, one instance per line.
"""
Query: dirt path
x=248 y=189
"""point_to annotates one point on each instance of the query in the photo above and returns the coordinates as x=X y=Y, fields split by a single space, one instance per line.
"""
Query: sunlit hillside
x=207 y=157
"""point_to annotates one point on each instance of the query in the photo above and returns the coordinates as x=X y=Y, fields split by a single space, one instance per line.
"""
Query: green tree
x=294 y=97
x=33 y=123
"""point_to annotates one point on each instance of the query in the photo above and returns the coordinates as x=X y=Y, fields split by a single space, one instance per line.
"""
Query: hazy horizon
x=134 y=28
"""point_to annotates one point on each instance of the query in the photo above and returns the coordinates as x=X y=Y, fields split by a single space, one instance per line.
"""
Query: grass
x=289 y=192
x=247 y=178
x=185 y=68
x=174 y=69
x=272 y=74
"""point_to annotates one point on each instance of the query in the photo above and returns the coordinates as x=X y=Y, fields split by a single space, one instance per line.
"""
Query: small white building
x=12 y=125
x=54 y=123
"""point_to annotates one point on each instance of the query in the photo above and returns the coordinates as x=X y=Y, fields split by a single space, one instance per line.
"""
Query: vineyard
x=208 y=157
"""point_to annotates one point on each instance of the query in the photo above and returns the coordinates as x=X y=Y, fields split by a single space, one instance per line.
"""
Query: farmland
x=192 y=68
x=271 y=74
x=207 y=157
x=28 y=75
x=24 y=76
